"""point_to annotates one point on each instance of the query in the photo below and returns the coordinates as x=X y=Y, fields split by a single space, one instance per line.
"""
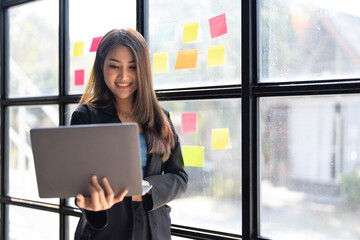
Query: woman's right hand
x=99 y=201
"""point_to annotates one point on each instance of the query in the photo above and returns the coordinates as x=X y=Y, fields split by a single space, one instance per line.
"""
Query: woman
x=120 y=90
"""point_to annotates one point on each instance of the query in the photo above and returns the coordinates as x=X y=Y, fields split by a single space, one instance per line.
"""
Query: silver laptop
x=66 y=157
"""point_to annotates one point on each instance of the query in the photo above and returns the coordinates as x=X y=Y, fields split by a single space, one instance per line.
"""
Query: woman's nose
x=122 y=73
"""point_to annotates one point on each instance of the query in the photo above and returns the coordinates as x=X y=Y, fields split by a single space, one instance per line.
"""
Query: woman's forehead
x=120 y=52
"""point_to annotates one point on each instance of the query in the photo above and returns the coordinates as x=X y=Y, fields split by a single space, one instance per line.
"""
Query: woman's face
x=120 y=73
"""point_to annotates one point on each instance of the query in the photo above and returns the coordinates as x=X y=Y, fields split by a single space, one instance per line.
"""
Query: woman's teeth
x=123 y=84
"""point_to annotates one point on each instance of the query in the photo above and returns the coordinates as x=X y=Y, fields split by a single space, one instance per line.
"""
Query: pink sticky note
x=188 y=123
x=218 y=25
x=79 y=77
x=95 y=44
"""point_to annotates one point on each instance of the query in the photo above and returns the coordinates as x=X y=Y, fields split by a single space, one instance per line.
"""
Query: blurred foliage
x=350 y=188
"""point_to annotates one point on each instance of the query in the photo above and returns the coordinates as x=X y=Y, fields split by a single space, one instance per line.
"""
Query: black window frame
x=249 y=91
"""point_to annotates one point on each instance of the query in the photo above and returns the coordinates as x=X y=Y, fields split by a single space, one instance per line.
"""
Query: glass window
x=73 y=221
x=34 y=49
x=69 y=110
x=22 y=179
x=194 y=43
x=310 y=168
x=309 y=40
x=209 y=131
x=89 y=21
x=30 y=224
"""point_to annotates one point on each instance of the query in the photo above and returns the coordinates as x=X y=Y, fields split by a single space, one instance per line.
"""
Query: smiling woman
x=120 y=90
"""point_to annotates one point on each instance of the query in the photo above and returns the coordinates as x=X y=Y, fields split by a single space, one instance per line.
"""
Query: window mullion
x=250 y=218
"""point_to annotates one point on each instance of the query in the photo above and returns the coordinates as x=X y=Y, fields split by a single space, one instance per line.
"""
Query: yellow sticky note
x=186 y=59
x=190 y=32
x=79 y=49
x=160 y=62
x=220 y=138
x=215 y=56
x=170 y=114
x=193 y=156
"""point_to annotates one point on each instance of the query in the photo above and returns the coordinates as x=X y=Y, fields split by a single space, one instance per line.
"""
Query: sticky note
x=170 y=115
x=190 y=32
x=186 y=59
x=79 y=77
x=193 y=156
x=160 y=62
x=188 y=123
x=165 y=32
x=215 y=56
x=79 y=49
x=218 y=25
x=220 y=138
x=95 y=44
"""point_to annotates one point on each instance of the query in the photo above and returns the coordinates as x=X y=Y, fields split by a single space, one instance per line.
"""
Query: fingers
x=80 y=201
x=121 y=196
x=109 y=190
x=144 y=182
x=102 y=201
x=98 y=200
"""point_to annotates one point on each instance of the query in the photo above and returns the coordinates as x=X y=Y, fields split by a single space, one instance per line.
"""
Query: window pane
x=73 y=221
x=69 y=110
x=210 y=32
x=89 y=20
x=310 y=167
x=22 y=178
x=34 y=49
x=309 y=40
x=30 y=224
x=209 y=131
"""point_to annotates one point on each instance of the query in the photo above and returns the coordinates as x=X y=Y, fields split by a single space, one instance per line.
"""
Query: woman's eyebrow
x=115 y=60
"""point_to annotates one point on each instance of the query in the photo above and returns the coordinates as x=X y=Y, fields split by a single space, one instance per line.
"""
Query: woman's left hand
x=139 y=198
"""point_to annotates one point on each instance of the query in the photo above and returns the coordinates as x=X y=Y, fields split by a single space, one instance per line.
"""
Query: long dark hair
x=146 y=108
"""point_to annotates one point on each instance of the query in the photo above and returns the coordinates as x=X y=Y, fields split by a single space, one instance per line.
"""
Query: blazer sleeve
x=97 y=220
x=172 y=183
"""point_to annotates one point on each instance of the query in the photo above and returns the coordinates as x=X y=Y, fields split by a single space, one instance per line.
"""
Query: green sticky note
x=160 y=62
x=190 y=32
x=215 y=56
x=220 y=138
x=79 y=49
x=193 y=156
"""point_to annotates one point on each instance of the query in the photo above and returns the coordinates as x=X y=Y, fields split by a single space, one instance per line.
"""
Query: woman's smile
x=123 y=85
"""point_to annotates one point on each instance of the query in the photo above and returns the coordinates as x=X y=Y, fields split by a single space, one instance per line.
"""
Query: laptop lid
x=66 y=157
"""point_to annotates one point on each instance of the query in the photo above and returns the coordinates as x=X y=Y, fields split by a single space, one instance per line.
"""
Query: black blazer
x=117 y=222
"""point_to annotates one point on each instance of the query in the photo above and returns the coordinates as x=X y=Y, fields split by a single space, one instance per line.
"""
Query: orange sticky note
x=193 y=156
x=95 y=44
x=79 y=77
x=218 y=25
x=160 y=62
x=220 y=138
x=215 y=56
x=188 y=123
x=190 y=32
x=79 y=49
x=186 y=59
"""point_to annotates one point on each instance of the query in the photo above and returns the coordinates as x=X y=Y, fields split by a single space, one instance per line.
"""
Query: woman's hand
x=139 y=198
x=98 y=200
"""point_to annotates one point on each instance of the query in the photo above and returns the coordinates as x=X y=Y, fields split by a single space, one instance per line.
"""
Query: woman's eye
x=133 y=67
x=113 y=66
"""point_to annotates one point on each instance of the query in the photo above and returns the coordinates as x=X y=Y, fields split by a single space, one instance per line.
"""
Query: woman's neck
x=124 y=106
